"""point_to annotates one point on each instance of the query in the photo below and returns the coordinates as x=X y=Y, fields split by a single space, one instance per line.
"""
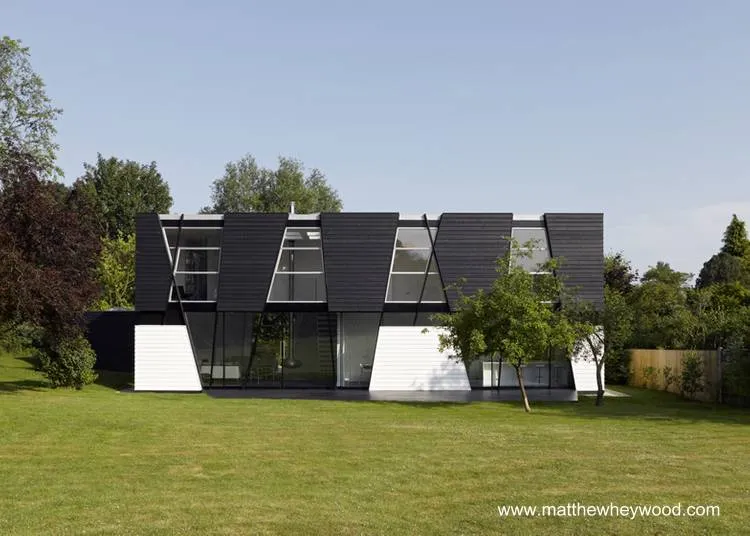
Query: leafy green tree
x=736 y=242
x=619 y=275
x=515 y=319
x=602 y=333
x=120 y=189
x=247 y=187
x=723 y=268
x=732 y=263
x=661 y=316
x=27 y=116
x=664 y=273
x=116 y=273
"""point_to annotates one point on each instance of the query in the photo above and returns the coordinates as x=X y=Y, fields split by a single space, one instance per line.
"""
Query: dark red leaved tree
x=49 y=248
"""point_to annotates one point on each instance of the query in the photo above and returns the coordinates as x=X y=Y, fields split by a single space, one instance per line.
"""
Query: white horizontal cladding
x=584 y=369
x=408 y=360
x=164 y=359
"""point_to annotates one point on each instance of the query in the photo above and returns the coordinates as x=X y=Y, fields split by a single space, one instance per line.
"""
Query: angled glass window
x=299 y=275
x=534 y=249
x=196 y=262
x=414 y=276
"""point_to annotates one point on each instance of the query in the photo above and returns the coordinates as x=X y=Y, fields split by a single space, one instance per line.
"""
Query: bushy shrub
x=68 y=362
x=691 y=380
x=617 y=370
x=737 y=372
x=18 y=337
x=649 y=376
x=670 y=377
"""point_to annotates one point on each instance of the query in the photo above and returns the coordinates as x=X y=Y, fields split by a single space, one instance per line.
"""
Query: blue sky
x=639 y=109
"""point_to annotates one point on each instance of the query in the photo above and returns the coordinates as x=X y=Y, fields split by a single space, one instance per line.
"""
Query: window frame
x=283 y=248
x=431 y=232
x=174 y=261
x=533 y=249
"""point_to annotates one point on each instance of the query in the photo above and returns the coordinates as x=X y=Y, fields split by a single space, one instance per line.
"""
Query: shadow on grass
x=23 y=385
x=114 y=380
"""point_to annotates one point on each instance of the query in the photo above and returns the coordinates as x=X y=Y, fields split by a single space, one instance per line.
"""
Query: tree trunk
x=599 y=362
x=524 y=396
x=599 y=386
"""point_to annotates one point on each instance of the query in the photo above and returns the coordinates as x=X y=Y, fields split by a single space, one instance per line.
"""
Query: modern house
x=336 y=300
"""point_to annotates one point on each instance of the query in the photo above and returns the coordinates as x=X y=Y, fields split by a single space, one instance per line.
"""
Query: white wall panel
x=584 y=370
x=164 y=359
x=408 y=360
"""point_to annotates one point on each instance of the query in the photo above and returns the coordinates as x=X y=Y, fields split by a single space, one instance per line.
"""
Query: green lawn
x=99 y=461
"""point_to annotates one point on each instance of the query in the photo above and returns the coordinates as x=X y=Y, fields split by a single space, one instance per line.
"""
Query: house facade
x=337 y=300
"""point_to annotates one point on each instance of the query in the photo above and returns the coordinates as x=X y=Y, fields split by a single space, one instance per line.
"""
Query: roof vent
x=291 y=208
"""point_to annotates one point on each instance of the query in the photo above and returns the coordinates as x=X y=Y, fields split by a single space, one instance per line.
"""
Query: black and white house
x=336 y=300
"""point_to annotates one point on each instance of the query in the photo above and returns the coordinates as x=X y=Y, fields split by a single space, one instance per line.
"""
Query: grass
x=99 y=461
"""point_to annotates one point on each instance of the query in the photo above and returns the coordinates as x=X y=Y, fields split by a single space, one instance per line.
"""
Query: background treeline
x=666 y=310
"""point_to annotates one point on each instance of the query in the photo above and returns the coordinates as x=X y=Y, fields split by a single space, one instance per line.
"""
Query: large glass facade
x=552 y=373
x=264 y=349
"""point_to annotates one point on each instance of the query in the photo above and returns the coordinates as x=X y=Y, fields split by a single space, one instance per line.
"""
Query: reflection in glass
x=198 y=260
x=196 y=287
x=194 y=237
x=414 y=237
x=359 y=335
x=300 y=260
x=410 y=260
x=298 y=288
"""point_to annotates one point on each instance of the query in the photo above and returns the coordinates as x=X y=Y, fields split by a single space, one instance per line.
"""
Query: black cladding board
x=152 y=265
x=468 y=246
x=577 y=240
x=250 y=245
x=357 y=250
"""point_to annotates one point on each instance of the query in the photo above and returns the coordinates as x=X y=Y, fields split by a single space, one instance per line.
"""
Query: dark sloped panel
x=468 y=245
x=357 y=250
x=152 y=266
x=579 y=240
x=112 y=337
x=249 y=249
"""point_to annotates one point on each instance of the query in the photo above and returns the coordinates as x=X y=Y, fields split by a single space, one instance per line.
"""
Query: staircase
x=326 y=341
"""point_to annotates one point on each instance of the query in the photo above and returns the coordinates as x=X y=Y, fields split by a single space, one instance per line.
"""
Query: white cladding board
x=164 y=359
x=408 y=360
x=584 y=370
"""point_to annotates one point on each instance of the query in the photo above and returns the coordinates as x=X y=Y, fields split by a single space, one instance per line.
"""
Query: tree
x=664 y=273
x=515 y=319
x=27 y=116
x=601 y=333
x=246 y=187
x=736 y=242
x=732 y=263
x=619 y=275
x=662 y=318
x=120 y=189
x=49 y=247
x=116 y=273
x=723 y=268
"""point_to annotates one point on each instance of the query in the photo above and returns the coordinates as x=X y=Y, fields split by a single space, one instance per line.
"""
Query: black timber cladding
x=357 y=250
x=152 y=266
x=578 y=239
x=250 y=245
x=468 y=246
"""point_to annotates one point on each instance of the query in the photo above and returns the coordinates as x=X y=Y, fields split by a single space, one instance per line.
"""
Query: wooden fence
x=647 y=370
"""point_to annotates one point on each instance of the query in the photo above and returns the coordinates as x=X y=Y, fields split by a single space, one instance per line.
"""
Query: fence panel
x=647 y=370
